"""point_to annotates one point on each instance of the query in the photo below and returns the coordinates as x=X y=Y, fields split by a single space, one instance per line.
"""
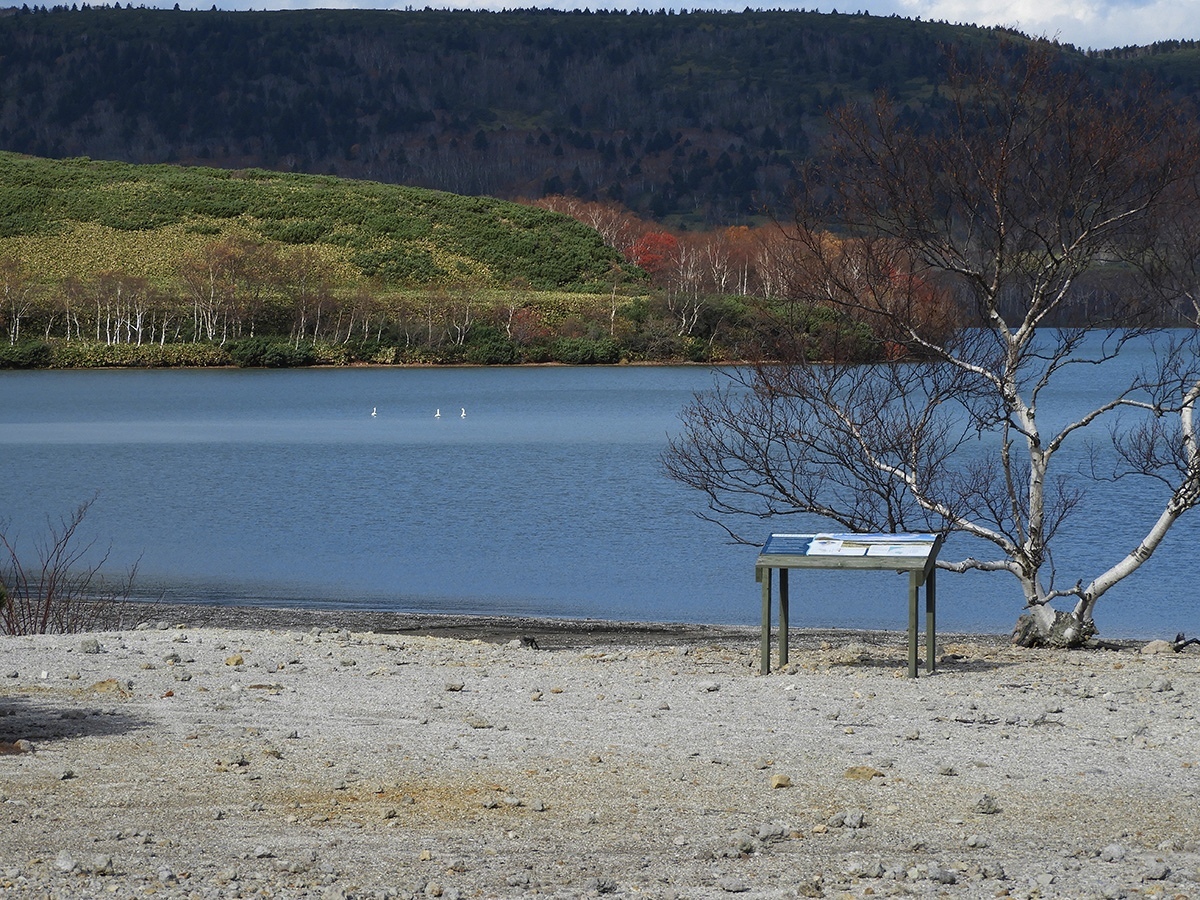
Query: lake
x=547 y=498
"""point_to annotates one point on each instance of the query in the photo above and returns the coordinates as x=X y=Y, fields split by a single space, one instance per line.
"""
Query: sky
x=1088 y=24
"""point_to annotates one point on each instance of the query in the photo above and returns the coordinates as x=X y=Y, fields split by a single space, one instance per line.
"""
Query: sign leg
x=765 y=644
x=783 y=617
x=913 y=590
x=931 y=621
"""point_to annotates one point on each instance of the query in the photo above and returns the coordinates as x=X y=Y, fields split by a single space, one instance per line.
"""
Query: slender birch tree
x=1039 y=202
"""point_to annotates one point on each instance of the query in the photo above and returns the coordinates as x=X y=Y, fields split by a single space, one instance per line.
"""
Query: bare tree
x=18 y=296
x=64 y=590
x=1034 y=185
x=307 y=279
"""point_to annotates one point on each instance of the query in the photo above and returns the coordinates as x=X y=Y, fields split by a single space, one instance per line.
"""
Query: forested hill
x=697 y=118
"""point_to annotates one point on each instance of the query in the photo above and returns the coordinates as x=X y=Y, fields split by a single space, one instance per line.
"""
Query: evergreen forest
x=694 y=120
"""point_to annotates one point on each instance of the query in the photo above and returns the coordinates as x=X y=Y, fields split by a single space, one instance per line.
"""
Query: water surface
x=546 y=499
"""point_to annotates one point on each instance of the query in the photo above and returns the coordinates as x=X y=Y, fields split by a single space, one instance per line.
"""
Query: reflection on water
x=547 y=498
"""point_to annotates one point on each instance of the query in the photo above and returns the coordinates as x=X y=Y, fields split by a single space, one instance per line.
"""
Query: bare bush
x=63 y=590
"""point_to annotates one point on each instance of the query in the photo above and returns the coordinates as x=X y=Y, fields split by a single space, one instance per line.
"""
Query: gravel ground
x=296 y=760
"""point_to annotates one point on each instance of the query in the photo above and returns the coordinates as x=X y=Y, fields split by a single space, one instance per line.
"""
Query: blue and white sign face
x=885 y=545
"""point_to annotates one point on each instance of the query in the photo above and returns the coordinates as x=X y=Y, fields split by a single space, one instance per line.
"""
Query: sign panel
x=826 y=544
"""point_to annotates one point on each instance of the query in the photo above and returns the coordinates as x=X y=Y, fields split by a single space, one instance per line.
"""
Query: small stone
x=733 y=885
x=1157 y=647
x=863 y=773
x=773 y=831
x=709 y=686
x=947 y=769
x=1157 y=872
x=977 y=842
x=943 y=876
x=781 y=781
x=89 y=645
x=235 y=660
x=65 y=862
x=860 y=869
x=993 y=870
x=848 y=818
x=745 y=843
x=987 y=805
x=1113 y=853
x=102 y=865
x=454 y=687
x=112 y=686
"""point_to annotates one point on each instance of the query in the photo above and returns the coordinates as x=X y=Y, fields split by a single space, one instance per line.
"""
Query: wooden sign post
x=912 y=553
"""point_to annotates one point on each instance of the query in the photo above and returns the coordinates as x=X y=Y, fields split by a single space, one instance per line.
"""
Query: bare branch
x=66 y=590
x=984 y=253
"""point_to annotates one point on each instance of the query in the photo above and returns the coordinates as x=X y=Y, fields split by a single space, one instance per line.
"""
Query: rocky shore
x=285 y=758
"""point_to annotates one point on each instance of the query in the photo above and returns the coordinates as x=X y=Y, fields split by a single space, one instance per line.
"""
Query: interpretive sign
x=912 y=553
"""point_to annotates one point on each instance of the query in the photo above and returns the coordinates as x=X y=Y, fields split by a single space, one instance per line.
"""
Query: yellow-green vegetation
x=79 y=218
x=113 y=264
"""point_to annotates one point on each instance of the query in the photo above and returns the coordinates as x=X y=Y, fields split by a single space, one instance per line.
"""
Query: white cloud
x=1085 y=23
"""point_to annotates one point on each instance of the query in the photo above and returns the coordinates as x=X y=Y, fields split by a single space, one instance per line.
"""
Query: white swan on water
x=373 y=413
x=464 y=414
x=438 y=414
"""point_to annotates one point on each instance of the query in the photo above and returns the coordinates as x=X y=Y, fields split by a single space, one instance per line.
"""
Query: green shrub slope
x=81 y=217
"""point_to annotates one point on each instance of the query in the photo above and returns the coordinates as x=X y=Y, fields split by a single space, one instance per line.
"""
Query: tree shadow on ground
x=884 y=659
x=41 y=720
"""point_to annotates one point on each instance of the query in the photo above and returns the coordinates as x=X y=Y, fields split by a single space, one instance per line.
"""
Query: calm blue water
x=547 y=499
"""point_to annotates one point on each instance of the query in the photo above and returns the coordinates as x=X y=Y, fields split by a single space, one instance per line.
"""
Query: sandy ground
x=293 y=759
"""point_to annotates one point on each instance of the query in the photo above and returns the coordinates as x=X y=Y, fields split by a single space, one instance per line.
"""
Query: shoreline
x=549 y=633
